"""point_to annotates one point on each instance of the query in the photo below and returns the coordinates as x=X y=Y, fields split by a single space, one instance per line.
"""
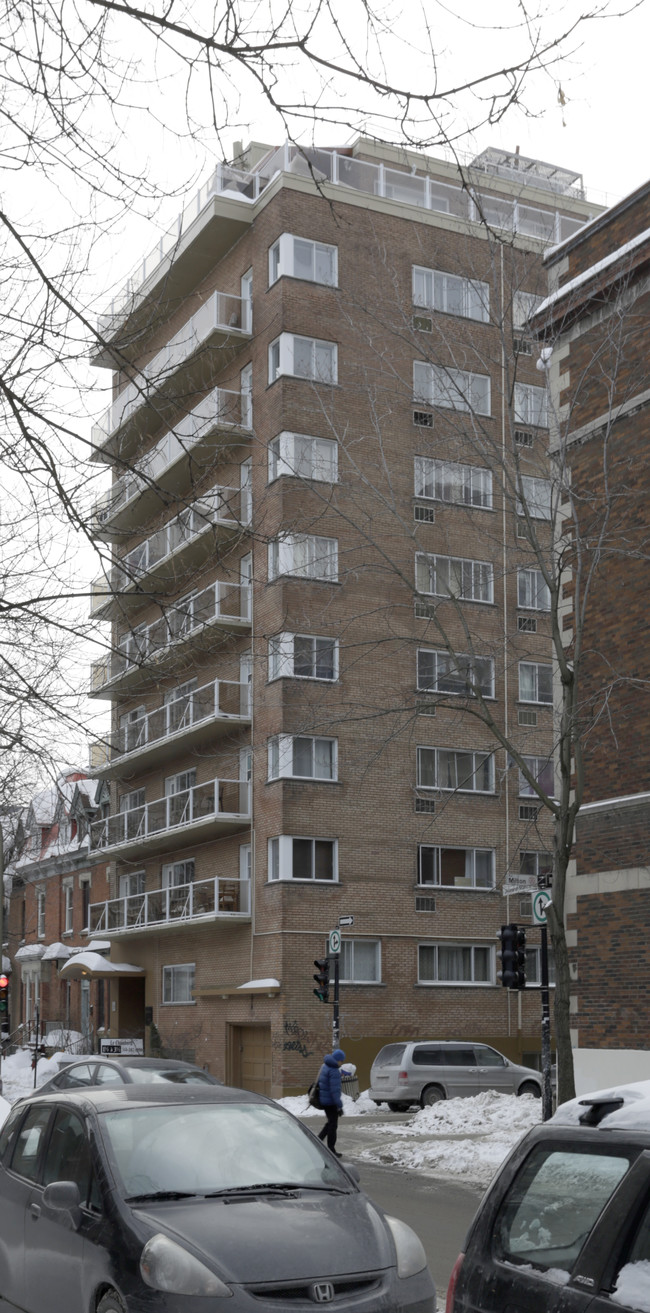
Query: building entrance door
x=250 y=1058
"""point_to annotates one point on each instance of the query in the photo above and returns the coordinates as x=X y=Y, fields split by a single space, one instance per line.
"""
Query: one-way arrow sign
x=346 y=920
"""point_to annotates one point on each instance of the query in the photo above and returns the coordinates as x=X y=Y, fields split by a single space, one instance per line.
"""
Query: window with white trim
x=177 y=873
x=299 y=257
x=303 y=457
x=304 y=555
x=451 y=769
x=461 y=674
x=303 y=656
x=294 y=857
x=541 y=770
x=454 y=576
x=178 y=983
x=131 y=884
x=129 y=801
x=531 y=405
x=533 y=592
x=434 y=290
x=360 y=962
x=303 y=357
x=449 y=481
x=535 y=498
x=68 y=910
x=246 y=393
x=524 y=304
x=535 y=682
x=534 y=965
x=40 y=913
x=453 y=389
x=302 y=756
x=456 y=868
x=535 y=862
x=455 y=964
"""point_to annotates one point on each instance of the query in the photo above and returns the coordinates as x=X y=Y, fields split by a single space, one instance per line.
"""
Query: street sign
x=346 y=920
x=540 y=902
x=520 y=884
x=134 y=1047
x=335 y=942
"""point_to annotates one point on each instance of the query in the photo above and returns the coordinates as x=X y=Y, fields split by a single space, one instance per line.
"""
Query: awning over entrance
x=92 y=966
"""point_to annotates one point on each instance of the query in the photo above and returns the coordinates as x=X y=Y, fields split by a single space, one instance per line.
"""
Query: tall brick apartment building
x=597 y=317
x=317 y=380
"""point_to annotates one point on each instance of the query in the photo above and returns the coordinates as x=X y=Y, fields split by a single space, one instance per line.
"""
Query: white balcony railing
x=229 y=799
x=184 y=902
x=148 y=643
x=227 y=699
x=221 y=312
x=222 y=506
x=218 y=409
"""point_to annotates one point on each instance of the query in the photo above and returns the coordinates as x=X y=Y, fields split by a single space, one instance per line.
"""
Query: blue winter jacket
x=329 y=1083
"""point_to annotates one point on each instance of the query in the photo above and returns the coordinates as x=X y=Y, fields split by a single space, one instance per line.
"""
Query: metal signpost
x=541 y=899
x=334 y=949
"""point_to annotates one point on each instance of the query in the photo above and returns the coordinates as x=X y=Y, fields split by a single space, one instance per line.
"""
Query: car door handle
x=35 y=1210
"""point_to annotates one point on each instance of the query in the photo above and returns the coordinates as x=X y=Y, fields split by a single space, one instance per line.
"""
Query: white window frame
x=531 y=583
x=68 y=906
x=474 y=577
x=284 y=350
x=534 y=954
x=282 y=657
x=451 y=389
x=524 y=304
x=283 y=263
x=445 y=665
x=530 y=405
x=536 y=766
x=435 y=290
x=246 y=396
x=168 y=979
x=348 y=950
x=175 y=874
x=457 y=984
x=470 y=868
x=535 y=498
x=454 y=483
x=303 y=456
x=281 y=757
x=304 y=556
x=40 y=913
x=479 y=757
x=131 y=884
x=535 y=667
x=280 y=859
x=536 y=854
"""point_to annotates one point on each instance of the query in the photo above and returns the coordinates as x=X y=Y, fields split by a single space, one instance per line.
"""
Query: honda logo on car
x=322 y=1292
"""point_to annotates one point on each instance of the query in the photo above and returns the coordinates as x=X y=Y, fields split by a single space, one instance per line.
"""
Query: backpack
x=313 y=1096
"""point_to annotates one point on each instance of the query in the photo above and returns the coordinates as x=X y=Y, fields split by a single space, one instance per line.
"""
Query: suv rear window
x=553 y=1204
x=389 y=1056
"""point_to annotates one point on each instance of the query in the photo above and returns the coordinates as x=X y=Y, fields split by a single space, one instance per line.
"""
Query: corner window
x=542 y=770
x=360 y=962
x=445 y=768
x=304 y=555
x=178 y=983
x=292 y=858
x=304 y=457
x=460 y=674
x=456 y=868
x=535 y=682
x=299 y=257
x=302 y=757
x=303 y=357
x=455 y=964
x=433 y=290
x=448 y=481
x=303 y=656
x=533 y=593
x=453 y=389
x=530 y=405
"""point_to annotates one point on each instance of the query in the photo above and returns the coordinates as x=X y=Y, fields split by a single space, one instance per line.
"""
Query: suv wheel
x=530 y=1087
x=111 y=1303
x=432 y=1094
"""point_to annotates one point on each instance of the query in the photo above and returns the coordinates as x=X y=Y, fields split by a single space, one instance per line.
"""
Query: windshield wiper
x=273 y=1187
x=159 y=1194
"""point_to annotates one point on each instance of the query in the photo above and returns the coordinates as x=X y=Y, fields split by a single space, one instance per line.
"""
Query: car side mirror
x=352 y=1171
x=63 y=1197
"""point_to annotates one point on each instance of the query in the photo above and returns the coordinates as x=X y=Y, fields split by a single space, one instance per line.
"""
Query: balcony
x=162 y=561
x=149 y=649
x=185 y=364
x=194 y=815
x=179 y=459
x=183 y=904
x=205 y=713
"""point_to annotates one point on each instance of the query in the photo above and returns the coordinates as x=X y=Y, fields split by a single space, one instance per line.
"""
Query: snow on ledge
x=267 y=983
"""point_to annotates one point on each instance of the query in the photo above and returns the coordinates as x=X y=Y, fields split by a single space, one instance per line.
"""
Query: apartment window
x=534 y=966
x=535 y=682
x=246 y=392
x=535 y=498
x=455 y=964
x=178 y=983
x=448 y=481
x=539 y=864
x=292 y=858
x=304 y=457
x=303 y=357
x=533 y=592
x=542 y=770
x=131 y=884
x=303 y=757
x=68 y=907
x=530 y=405
x=180 y=706
x=446 y=768
x=360 y=962
x=433 y=290
x=245 y=491
x=40 y=913
x=304 y=555
x=130 y=801
x=298 y=257
x=84 y=883
x=454 y=576
x=524 y=305
x=303 y=656
x=439 y=672
x=177 y=873
x=456 y=868
x=453 y=389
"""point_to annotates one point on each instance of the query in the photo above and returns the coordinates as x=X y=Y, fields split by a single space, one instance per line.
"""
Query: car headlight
x=411 y=1257
x=164 y=1265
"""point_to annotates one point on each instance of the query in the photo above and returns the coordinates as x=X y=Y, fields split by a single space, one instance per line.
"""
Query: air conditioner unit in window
x=524 y=438
x=423 y=419
x=425 y=708
x=423 y=904
x=527 y=812
x=426 y=806
x=522 y=346
x=425 y=610
x=423 y=323
x=527 y=624
x=424 y=514
x=527 y=717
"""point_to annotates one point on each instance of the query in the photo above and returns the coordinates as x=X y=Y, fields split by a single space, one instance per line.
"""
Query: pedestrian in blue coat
x=329 y=1088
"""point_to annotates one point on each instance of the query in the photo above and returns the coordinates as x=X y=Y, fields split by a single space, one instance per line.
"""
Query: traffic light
x=322 y=979
x=4 y=1001
x=513 y=957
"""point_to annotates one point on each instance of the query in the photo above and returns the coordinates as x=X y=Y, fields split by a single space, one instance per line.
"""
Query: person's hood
x=330 y=1061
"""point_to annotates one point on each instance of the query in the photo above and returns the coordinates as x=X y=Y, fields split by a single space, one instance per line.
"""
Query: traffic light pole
x=2 y=924
x=547 y=1093
x=335 y=1013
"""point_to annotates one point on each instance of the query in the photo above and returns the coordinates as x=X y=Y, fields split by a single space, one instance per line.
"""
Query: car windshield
x=161 y=1075
x=206 y=1148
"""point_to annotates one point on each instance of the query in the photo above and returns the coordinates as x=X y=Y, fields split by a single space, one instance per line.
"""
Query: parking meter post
x=36 y=1046
x=335 y=1014
x=547 y=1093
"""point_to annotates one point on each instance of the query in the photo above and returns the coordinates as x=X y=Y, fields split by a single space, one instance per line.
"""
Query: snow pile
x=299 y=1106
x=633 y=1286
x=18 y=1076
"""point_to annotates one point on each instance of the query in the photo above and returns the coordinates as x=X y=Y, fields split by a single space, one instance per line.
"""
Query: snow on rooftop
x=592 y=272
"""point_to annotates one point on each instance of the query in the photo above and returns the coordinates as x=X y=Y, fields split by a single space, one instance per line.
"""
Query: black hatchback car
x=156 y=1199
x=565 y=1225
x=126 y=1071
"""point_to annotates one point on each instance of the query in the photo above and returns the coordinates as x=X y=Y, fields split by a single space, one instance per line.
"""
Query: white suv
x=429 y=1070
